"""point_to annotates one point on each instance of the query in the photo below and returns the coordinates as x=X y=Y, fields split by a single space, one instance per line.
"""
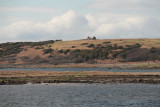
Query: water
x=79 y=69
x=80 y=95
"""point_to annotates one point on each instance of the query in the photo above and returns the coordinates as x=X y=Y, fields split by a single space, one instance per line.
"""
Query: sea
x=80 y=94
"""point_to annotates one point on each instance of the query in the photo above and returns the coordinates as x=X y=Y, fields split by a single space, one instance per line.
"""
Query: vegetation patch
x=14 y=48
x=90 y=46
x=107 y=42
x=84 y=44
x=46 y=51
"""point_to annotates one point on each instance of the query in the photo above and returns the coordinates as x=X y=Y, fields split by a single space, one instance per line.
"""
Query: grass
x=67 y=73
x=128 y=65
x=31 y=52
x=23 y=77
x=146 y=43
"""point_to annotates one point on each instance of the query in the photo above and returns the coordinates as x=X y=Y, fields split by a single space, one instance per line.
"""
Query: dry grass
x=75 y=74
x=31 y=53
x=146 y=43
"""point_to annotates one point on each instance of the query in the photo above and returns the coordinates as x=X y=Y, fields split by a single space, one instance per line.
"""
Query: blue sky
x=34 y=20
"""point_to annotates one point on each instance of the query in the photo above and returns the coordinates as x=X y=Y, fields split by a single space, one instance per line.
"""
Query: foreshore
x=129 y=65
x=34 y=77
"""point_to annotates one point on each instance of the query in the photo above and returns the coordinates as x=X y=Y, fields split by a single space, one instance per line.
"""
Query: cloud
x=67 y=26
x=125 y=4
x=127 y=27
x=71 y=26
x=29 y=9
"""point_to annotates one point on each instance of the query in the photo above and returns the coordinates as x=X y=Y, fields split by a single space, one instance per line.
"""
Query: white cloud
x=67 y=26
x=125 y=4
x=71 y=26
x=29 y=9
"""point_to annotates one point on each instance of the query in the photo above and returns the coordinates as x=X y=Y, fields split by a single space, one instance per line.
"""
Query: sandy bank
x=24 y=77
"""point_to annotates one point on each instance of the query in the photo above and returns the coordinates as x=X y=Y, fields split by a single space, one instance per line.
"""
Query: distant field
x=146 y=43
x=100 y=51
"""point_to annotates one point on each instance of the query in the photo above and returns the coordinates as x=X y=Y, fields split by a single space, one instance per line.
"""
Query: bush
x=60 y=51
x=123 y=55
x=14 y=48
x=120 y=47
x=73 y=46
x=90 y=45
x=99 y=45
x=58 y=40
x=107 y=42
x=46 y=51
x=115 y=54
x=94 y=38
x=41 y=43
x=153 y=50
x=109 y=47
x=84 y=44
x=76 y=51
x=1 y=53
x=115 y=46
x=66 y=51
x=137 y=45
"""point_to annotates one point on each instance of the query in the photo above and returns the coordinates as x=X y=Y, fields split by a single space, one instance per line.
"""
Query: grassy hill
x=57 y=52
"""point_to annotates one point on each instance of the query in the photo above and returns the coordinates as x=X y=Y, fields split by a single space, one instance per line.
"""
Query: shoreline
x=122 y=66
x=38 y=77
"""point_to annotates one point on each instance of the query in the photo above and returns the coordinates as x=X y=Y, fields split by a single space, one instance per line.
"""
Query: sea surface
x=81 y=69
x=80 y=95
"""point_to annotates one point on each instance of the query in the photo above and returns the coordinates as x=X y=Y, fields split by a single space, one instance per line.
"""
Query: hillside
x=57 y=52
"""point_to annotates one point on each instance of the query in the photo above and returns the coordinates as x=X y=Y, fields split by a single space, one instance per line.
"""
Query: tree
x=88 y=37
x=94 y=38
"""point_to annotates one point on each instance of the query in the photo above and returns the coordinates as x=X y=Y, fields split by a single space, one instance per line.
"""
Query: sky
x=38 y=20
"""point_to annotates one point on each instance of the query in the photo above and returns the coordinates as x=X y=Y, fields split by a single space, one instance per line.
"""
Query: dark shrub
x=60 y=51
x=123 y=55
x=94 y=38
x=115 y=54
x=50 y=56
x=73 y=46
x=153 y=50
x=109 y=47
x=66 y=51
x=1 y=53
x=115 y=47
x=76 y=50
x=84 y=44
x=90 y=46
x=120 y=47
x=99 y=45
x=107 y=42
x=58 y=40
x=14 y=48
x=41 y=43
x=46 y=51
x=137 y=45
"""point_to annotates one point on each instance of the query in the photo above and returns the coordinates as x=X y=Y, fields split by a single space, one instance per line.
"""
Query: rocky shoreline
x=34 y=77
